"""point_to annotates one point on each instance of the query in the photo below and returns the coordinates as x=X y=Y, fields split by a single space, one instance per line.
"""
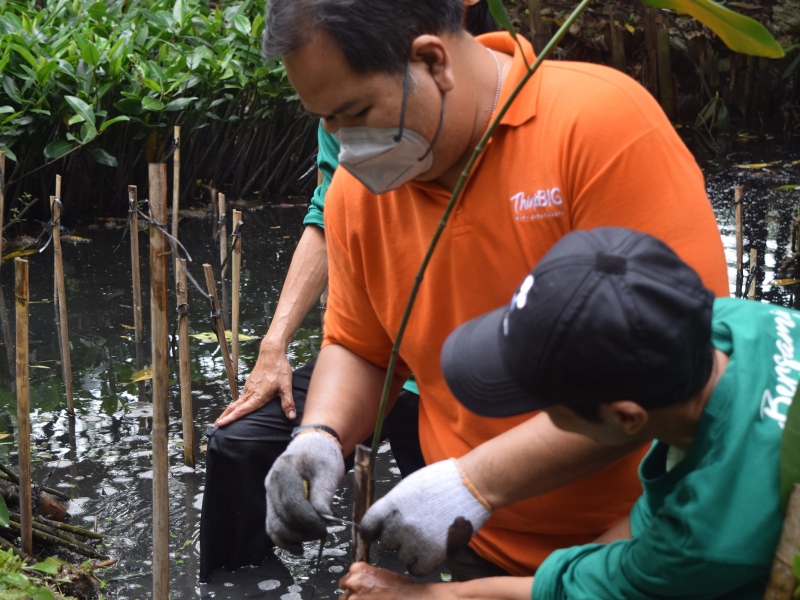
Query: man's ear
x=430 y=50
x=628 y=415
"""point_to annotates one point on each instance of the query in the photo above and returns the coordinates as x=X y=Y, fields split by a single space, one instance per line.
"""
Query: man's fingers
x=237 y=412
x=287 y=402
x=372 y=522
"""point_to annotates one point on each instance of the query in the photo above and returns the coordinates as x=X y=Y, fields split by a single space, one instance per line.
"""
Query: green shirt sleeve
x=649 y=566
x=327 y=161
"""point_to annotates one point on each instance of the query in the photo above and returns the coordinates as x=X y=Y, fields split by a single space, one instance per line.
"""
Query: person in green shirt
x=616 y=338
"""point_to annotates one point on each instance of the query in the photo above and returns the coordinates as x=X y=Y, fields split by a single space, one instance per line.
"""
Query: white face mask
x=386 y=159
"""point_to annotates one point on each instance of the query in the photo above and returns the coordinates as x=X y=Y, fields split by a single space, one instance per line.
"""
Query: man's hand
x=272 y=376
x=300 y=487
x=427 y=517
x=364 y=582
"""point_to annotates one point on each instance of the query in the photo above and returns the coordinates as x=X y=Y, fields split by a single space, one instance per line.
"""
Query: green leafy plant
x=108 y=80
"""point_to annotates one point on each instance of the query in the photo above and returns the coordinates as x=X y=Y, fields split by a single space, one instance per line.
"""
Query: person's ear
x=430 y=50
x=629 y=416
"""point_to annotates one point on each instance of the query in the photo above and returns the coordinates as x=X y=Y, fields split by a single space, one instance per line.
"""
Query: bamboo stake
x=362 y=495
x=751 y=293
x=158 y=319
x=664 y=66
x=176 y=181
x=6 y=325
x=214 y=208
x=617 y=44
x=66 y=361
x=56 y=305
x=185 y=372
x=781 y=579
x=223 y=235
x=138 y=330
x=220 y=330
x=236 y=269
x=737 y=196
x=23 y=403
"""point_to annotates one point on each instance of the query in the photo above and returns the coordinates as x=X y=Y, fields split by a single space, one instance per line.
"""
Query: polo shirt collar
x=524 y=106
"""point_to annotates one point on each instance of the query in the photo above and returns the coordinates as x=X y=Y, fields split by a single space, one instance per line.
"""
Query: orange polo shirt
x=582 y=146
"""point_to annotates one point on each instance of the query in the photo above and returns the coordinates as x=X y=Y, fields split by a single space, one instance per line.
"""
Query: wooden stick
x=66 y=361
x=55 y=281
x=362 y=494
x=138 y=329
x=236 y=269
x=751 y=293
x=781 y=578
x=23 y=403
x=158 y=325
x=6 y=326
x=664 y=66
x=737 y=196
x=185 y=371
x=223 y=235
x=176 y=180
x=214 y=208
x=617 y=44
x=220 y=330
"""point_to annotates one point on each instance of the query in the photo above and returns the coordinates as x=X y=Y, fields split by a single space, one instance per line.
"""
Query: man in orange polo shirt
x=409 y=94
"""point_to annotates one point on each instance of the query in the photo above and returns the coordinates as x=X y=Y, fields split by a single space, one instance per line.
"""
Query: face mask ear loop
x=435 y=135
x=403 y=108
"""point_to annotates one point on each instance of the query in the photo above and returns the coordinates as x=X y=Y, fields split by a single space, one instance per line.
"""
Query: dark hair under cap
x=374 y=35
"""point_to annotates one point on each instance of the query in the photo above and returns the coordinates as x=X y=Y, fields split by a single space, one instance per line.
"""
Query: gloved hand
x=300 y=486
x=420 y=517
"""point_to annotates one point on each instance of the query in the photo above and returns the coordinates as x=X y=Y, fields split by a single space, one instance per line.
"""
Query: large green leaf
x=110 y=122
x=149 y=103
x=103 y=157
x=790 y=450
x=3 y=512
x=57 y=149
x=91 y=54
x=80 y=107
x=501 y=16
x=740 y=33
x=9 y=153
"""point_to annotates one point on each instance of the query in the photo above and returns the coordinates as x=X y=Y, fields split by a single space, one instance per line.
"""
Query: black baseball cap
x=607 y=314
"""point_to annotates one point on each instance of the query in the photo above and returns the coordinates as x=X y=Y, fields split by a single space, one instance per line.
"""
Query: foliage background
x=90 y=86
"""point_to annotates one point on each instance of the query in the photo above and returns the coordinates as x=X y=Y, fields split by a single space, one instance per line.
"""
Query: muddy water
x=105 y=463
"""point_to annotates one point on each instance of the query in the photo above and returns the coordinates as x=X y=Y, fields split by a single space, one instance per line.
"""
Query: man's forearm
x=305 y=281
x=345 y=393
x=533 y=458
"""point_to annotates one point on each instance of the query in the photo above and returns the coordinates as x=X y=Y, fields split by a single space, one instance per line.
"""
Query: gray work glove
x=300 y=486
x=427 y=517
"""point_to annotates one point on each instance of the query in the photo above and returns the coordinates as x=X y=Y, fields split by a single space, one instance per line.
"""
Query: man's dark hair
x=374 y=35
x=703 y=362
x=479 y=20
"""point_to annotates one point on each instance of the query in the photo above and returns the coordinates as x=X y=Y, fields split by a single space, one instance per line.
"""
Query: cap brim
x=473 y=367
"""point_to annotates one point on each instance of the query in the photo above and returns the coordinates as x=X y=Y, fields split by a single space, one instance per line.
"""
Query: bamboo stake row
x=22 y=300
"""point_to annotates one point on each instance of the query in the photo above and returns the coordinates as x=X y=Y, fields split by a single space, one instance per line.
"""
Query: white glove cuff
x=448 y=487
x=315 y=442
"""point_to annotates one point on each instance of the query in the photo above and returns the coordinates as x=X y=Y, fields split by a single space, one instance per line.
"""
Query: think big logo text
x=544 y=203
